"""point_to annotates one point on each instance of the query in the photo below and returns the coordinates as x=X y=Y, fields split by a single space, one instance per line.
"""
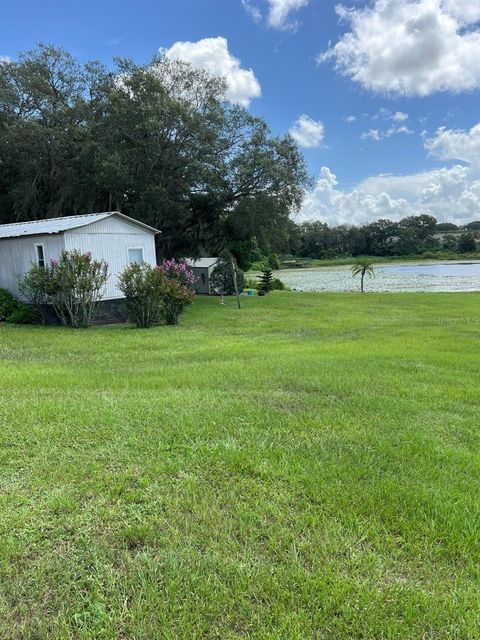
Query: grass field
x=305 y=468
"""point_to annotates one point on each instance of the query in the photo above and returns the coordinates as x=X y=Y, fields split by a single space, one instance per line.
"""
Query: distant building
x=109 y=236
x=202 y=269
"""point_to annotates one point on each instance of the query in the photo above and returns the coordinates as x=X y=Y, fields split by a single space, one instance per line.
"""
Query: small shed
x=202 y=269
x=109 y=236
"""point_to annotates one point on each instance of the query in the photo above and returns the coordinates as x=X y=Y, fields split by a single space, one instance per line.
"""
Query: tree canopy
x=157 y=142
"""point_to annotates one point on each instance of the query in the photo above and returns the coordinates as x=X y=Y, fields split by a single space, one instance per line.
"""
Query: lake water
x=448 y=276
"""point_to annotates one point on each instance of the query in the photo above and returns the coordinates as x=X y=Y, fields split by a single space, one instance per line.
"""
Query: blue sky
x=383 y=97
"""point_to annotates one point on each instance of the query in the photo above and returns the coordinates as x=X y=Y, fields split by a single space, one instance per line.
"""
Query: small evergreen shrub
x=266 y=280
x=24 y=314
x=8 y=304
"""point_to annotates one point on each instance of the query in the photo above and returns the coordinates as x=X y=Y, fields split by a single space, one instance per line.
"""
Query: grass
x=306 y=468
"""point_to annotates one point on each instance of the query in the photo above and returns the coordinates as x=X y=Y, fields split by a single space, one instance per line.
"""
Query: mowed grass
x=305 y=468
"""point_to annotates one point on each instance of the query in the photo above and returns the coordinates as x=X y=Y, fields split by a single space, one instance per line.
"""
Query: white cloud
x=5 y=59
x=376 y=134
x=212 y=55
x=253 y=11
x=467 y=11
x=451 y=144
x=372 y=134
x=280 y=10
x=399 y=116
x=351 y=119
x=410 y=47
x=307 y=133
x=451 y=194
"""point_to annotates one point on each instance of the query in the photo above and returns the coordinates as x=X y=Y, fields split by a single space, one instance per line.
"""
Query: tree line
x=157 y=142
x=412 y=235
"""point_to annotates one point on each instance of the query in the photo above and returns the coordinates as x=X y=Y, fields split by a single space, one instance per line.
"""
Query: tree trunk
x=361 y=285
x=235 y=281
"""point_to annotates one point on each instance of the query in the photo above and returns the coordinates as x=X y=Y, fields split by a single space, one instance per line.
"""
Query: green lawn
x=305 y=468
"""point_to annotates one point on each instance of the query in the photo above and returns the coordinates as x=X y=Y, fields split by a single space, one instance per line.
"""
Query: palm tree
x=362 y=268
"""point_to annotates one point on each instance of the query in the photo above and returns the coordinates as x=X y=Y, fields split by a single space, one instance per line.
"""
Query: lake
x=445 y=276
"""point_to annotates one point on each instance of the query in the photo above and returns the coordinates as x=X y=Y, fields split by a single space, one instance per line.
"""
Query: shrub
x=143 y=287
x=222 y=278
x=178 y=290
x=24 y=314
x=8 y=304
x=251 y=283
x=277 y=285
x=35 y=286
x=75 y=286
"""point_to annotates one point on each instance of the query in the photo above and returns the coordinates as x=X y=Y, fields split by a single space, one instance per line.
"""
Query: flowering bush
x=156 y=294
x=178 y=289
x=73 y=285
x=143 y=287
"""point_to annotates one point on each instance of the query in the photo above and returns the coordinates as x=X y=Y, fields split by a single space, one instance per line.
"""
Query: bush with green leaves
x=24 y=314
x=8 y=304
x=222 y=278
x=35 y=286
x=278 y=285
x=76 y=283
x=157 y=294
x=143 y=287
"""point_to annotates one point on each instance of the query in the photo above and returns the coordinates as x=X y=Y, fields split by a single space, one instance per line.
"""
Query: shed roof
x=58 y=225
x=202 y=263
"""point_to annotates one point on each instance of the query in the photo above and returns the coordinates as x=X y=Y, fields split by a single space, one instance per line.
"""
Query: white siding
x=18 y=254
x=110 y=240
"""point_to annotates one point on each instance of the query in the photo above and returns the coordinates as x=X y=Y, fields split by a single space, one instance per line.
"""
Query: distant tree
x=466 y=243
x=446 y=226
x=362 y=268
x=473 y=226
x=449 y=243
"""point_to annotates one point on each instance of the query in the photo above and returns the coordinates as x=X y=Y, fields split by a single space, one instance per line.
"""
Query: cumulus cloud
x=410 y=47
x=308 y=133
x=377 y=134
x=351 y=119
x=280 y=10
x=456 y=144
x=212 y=55
x=451 y=194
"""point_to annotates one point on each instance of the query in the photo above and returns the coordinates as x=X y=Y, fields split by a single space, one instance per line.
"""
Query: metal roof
x=202 y=263
x=58 y=225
